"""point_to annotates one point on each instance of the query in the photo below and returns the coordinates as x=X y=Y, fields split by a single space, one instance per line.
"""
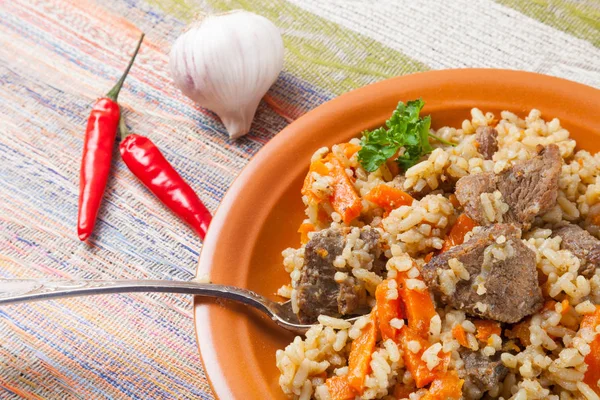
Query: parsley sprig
x=405 y=129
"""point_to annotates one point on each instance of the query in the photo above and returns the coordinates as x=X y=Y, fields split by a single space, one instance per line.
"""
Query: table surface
x=58 y=56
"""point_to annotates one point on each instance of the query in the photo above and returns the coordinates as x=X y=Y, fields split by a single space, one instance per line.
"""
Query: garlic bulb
x=226 y=63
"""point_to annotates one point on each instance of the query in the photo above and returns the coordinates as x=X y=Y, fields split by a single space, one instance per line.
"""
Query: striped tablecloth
x=58 y=56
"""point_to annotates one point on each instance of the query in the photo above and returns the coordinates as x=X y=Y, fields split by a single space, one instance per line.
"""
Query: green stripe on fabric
x=580 y=18
x=317 y=51
x=180 y=9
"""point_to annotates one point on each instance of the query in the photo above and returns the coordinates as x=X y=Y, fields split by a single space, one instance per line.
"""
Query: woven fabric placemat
x=58 y=56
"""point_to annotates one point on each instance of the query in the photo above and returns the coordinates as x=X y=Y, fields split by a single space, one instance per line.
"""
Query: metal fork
x=26 y=290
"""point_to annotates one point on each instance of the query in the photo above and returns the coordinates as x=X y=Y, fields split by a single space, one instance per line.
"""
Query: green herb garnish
x=404 y=129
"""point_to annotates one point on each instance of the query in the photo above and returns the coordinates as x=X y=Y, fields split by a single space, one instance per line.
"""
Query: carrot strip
x=322 y=215
x=446 y=387
x=460 y=335
x=345 y=200
x=549 y=305
x=360 y=355
x=402 y=391
x=388 y=198
x=592 y=375
x=304 y=229
x=456 y=236
x=418 y=304
x=320 y=168
x=387 y=309
x=417 y=367
x=565 y=307
x=429 y=256
x=454 y=200
x=393 y=166
x=419 y=311
x=521 y=331
x=486 y=328
x=339 y=388
x=350 y=149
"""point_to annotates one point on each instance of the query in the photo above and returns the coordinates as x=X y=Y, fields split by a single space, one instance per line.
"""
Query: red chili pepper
x=100 y=136
x=151 y=167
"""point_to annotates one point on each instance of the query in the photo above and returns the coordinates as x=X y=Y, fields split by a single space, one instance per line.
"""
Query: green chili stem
x=123 y=131
x=114 y=92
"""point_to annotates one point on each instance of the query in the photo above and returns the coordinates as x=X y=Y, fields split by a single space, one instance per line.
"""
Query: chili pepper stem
x=114 y=92
x=123 y=131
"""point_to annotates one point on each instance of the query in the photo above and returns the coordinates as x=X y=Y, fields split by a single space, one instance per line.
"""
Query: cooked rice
x=405 y=225
x=552 y=366
x=430 y=356
x=494 y=207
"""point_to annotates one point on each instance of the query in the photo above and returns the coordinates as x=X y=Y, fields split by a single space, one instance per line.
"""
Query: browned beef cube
x=318 y=292
x=511 y=284
x=487 y=139
x=583 y=245
x=530 y=188
x=482 y=373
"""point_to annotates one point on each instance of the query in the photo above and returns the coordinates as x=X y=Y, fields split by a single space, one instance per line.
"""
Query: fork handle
x=26 y=290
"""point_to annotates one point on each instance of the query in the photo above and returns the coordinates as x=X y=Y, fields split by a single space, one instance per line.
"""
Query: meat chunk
x=317 y=291
x=370 y=238
x=583 y=245
x=487 y=138
x=482 y=373
x=468 y=191
x=502 y=284
x=371 y=245
x=529 y=188
x=347 y=298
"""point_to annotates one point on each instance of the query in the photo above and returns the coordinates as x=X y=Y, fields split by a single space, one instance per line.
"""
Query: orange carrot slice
x=360 y=354
x=387 y=310
x=418 y=304
x=339 y=388
x=304 y=230
x=456 y=236
x=429 y=256
x=417 y=367
x=460 y=335
x=402 y=391
x=446 y=387
x=320 y=168
x=388 y=198
x=486 y=328
x=350 y=149
x=592 y=375
x=345 y=200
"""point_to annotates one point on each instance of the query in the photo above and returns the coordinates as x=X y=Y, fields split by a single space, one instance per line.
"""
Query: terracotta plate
x=260 y=214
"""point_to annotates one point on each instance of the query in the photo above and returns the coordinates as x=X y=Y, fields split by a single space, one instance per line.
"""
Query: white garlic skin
x=226 y=63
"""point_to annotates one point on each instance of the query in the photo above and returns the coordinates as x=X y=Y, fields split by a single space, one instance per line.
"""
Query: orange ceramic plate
x=260 y=214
